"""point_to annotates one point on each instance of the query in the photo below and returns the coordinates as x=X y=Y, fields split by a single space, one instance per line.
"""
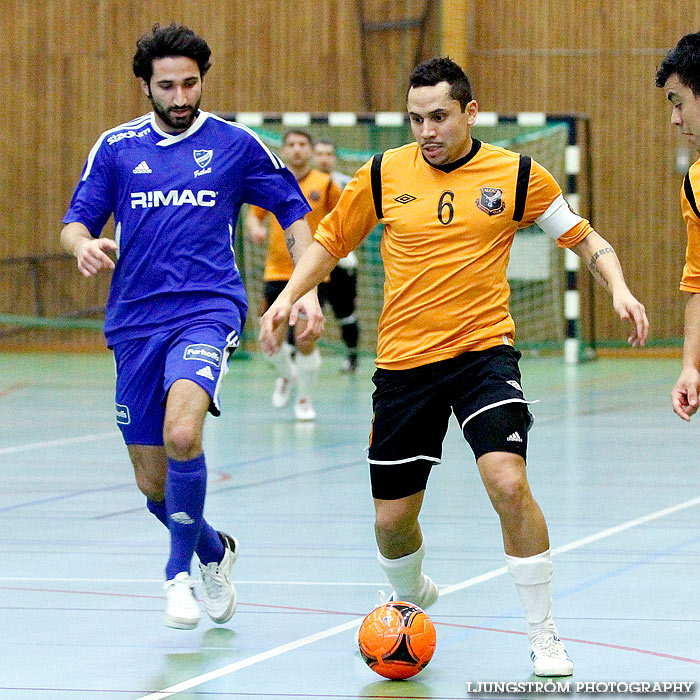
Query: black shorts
x=412 y=409
x=341 y=291
x=273 y=288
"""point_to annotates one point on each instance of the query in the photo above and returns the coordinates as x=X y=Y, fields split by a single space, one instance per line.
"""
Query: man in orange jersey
x=451 y=206
x=322 y=194
x=679 y=76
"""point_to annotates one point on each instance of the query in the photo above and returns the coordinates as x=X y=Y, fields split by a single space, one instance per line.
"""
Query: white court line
x=580 y=543
x=304 y=641
x=58 y=443
x=251 y=660
x=159 y=581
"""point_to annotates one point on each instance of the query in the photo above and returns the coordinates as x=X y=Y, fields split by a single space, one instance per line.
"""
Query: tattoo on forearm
x=291 y=242
x=593 y=267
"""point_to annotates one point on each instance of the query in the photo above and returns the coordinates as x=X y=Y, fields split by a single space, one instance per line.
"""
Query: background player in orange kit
x=322 y=194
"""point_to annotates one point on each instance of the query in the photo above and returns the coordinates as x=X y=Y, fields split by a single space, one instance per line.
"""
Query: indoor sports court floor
x=616 y=473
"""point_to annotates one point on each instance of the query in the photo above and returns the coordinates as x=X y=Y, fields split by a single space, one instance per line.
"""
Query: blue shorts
x=148 y=367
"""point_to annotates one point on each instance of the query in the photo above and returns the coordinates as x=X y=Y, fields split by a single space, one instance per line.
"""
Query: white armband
x=349 y=262
x=558 y=219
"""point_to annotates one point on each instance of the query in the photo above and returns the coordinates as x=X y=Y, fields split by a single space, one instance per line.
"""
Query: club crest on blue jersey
x=491 y=200
x=123 y=415
x=204 y=353
x=202 y=157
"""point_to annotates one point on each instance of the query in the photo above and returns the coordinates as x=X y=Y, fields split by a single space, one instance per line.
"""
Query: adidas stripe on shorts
x=148 y=367
x=412 y=409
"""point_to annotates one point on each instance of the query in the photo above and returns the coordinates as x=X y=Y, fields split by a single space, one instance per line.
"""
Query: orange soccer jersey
x=322 y=194
x=448 y=231
x=690 y=193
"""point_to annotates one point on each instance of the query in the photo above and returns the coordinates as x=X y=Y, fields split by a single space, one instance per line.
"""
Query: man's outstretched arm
x=602 y=262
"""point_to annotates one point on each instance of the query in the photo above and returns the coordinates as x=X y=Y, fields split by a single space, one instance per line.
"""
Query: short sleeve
x=94 y=198
x=690 y=193
x=268 y=184
x=352 y=219
x=546 y=207
x=542 y=190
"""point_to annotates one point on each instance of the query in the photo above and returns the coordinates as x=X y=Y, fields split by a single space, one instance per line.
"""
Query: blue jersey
x=175 y=200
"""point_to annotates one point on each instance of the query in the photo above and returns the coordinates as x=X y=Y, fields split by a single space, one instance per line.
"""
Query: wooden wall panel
x=69 y=63
x=599 y=58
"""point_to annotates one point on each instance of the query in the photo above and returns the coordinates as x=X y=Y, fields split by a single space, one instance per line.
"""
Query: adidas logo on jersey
x=205 y=372
x=514 y=437
x=142 y=168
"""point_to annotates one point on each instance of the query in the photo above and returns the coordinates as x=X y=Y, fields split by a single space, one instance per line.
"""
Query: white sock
x=533 y=581
x=282 y=361
x=405 y=573
x=307 y=368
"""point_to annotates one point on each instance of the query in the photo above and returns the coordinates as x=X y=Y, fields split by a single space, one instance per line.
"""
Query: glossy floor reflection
x=616 y=473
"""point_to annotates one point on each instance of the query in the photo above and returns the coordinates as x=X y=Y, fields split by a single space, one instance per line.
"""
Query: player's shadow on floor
x=408 y=688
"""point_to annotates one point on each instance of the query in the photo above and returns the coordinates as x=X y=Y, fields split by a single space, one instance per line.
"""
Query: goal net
x=52 y=307
x=536 y=272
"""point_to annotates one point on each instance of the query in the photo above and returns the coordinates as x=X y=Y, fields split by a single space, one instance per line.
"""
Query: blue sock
x=185 y=489
x=209 y=548
x=158 y=509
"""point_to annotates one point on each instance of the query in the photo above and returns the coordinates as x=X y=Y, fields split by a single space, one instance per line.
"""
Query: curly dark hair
x=173 y=40
x=682 y=60
x=443 y=69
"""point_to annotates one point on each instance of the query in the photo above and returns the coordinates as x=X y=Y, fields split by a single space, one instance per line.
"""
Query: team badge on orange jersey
x=314 y=195
x=491 y=200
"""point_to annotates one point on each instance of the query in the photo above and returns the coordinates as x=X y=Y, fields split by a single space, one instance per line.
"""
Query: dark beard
x=176 y=123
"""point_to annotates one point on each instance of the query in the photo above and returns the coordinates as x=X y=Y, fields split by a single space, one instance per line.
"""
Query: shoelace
x=545 y=644
x=213 y=580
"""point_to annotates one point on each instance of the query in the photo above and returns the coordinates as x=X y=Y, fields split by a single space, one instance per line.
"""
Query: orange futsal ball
x=397 y=640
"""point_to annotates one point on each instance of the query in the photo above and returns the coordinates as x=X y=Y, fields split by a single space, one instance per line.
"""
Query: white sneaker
x=283 y=391
x=382 y=598
x=181 y=609
x=303 y=410
x=349 y=365
x=548 y=654
x=219 y=592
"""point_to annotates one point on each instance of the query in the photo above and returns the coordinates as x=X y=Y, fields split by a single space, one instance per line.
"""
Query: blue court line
x=66 y=496
x=640 y=561
x=225 y=468
x=590 y=583
x=246 y=485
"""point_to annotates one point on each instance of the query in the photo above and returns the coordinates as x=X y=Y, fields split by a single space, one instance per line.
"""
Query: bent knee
x=182 y=440
x=153 y=489
x=393 y=518
x=509 y=493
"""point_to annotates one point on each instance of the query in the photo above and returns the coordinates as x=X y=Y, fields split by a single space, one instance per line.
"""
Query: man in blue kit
x=175 y=180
